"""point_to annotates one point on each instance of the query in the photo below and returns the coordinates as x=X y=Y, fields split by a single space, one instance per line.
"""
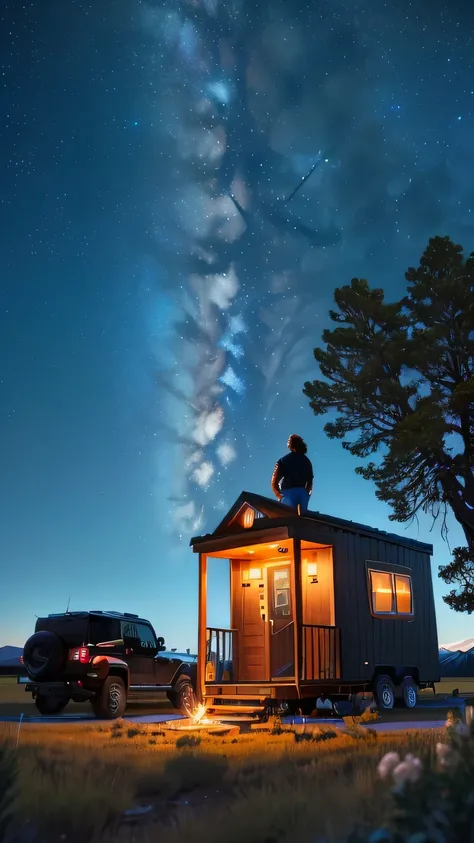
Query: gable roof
x=267 y=510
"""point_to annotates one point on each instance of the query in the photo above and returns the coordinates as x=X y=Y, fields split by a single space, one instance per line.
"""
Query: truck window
x=139 y=636
x=391 y=593
x=105 y=631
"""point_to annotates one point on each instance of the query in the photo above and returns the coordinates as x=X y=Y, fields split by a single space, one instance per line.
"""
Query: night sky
x=160 y=299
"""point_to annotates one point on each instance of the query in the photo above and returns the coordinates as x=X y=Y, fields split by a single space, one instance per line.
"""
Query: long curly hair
x=296 y=443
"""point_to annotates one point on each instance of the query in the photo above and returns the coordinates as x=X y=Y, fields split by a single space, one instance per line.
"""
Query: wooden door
x=281 y=621
x=252 y=650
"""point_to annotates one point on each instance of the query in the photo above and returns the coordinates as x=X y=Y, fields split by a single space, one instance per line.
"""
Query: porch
x=282 y=633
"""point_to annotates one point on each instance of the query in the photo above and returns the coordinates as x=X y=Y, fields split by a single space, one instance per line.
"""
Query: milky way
x=369 y=102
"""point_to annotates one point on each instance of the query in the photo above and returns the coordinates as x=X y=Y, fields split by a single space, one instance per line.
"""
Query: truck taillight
x=81 y=655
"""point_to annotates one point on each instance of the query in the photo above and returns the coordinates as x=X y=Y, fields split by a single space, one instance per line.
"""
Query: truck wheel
x=50 y=705
x=111 y=701
x=44 y=656
x=183 y=697
x=384 y=692
x=410 y=692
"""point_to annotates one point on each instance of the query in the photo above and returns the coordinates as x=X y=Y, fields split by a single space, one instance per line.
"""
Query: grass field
x=75 y=782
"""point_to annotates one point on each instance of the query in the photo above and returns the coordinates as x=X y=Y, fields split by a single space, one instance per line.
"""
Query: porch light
x=255 y=573
x=312 y=569
x=249 y=518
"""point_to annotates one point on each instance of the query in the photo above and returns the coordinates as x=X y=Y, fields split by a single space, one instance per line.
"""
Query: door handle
x=271 y=623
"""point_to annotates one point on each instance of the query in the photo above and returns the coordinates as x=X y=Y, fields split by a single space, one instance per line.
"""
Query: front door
x=252 y=649
x=281 y=622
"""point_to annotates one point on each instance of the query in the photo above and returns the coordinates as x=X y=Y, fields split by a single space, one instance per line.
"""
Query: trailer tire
x=384 y=692
x=410 y=692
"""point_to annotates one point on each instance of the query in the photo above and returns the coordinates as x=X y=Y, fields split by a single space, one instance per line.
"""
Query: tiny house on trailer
x=318 y=606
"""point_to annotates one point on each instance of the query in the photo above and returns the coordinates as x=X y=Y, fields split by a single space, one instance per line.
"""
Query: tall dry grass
x=75 y=782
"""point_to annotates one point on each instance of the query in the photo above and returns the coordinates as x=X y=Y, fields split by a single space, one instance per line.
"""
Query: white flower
x=443 y=751
x=447 y=756
x=408 y=770
x=387 y=764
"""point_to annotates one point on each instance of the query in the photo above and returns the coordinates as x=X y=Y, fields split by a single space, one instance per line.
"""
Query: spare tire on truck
x=44 y=656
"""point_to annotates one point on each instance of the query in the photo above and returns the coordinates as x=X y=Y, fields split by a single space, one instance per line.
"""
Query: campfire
x=197 y=722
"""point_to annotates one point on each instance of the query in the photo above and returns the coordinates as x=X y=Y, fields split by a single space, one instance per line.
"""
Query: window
x=391 y=593
x=281 y=593
x=382 y=592
x=138 y=636
x=104 y=631
x=403 y=594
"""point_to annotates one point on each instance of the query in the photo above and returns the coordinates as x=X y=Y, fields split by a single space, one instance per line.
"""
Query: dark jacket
x=293 y=471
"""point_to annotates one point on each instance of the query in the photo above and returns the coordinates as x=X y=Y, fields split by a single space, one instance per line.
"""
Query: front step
x=217 y=710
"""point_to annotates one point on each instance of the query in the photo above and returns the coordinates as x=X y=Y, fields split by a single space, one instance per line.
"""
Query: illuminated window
x=382 y=592
x=281 y=593
x=391 y=593
x=403 y=594
x=249 y=517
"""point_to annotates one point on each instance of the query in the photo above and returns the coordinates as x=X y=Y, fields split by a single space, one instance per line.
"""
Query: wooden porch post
x=202 y=627
x=297 y=612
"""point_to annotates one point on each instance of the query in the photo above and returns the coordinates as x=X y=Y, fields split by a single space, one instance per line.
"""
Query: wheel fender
x=111 y=666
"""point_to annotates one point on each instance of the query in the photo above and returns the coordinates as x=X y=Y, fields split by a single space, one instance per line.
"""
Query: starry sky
x=161 y=293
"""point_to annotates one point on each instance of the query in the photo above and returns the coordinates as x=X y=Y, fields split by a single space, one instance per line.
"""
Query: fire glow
x=196 y=721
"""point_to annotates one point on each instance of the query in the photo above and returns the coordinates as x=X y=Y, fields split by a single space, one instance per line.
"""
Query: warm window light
x=391 y=593
x=255 y=574
x=249 y=518
x=312 y=569
x=382 y=592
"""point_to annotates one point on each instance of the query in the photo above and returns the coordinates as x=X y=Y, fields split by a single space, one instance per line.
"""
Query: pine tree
x=400 y=378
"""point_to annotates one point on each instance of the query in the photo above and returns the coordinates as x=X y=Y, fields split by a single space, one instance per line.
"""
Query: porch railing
x=321 y=657
x=221 y=655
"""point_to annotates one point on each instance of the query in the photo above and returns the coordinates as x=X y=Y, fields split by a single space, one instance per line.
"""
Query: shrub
x=187 y=770
x=188 y=741
x=432 y=798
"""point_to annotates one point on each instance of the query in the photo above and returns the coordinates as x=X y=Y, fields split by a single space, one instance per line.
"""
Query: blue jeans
x=293 y=497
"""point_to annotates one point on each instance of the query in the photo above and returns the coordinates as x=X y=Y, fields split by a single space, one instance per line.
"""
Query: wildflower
x=446 y=755
x=388 y=764
x=409 y=770
x=443 y=751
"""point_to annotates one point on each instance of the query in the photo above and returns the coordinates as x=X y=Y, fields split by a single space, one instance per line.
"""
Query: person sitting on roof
x=292 y=479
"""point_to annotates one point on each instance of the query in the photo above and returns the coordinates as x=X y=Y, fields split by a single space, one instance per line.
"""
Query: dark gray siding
x=382 y=641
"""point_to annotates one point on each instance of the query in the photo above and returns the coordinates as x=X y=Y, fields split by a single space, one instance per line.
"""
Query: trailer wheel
x=410 y=692
x=384 y=692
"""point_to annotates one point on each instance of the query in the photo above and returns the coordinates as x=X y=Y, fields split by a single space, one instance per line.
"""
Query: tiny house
x=319 y=607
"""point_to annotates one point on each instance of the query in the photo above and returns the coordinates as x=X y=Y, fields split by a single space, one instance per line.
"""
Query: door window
x=138 y=636
x=281 y=602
